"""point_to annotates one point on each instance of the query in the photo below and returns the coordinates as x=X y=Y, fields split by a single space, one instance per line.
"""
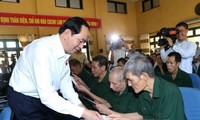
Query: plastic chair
x=195 y=80
x=191 y=100
x=6 y=114
x=3 y=102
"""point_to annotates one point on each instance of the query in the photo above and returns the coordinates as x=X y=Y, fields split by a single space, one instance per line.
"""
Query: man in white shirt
x=183 y=46
x=118 y=50
x=132 y=51
x=197 y=51
x=42 y=70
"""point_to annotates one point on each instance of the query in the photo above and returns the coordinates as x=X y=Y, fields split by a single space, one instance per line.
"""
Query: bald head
x=116 y=79
x=119 y=72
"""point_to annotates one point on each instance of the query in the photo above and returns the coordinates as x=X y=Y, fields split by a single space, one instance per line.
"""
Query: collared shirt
x=102 y=89
x=41 y=70
x=87 y=78
x=124 y=102
x=187 y=50
x=182 y=79
x=164 y=67
x=166 y=102
x=197 y=53
x=119 y=53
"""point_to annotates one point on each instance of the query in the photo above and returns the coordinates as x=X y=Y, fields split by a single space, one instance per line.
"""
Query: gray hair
x=119 y=71
x=138 y=64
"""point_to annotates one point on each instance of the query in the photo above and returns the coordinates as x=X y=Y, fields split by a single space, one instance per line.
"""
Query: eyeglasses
x=181 y=30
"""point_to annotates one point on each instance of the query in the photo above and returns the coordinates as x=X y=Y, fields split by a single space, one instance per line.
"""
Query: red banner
x=16 y=19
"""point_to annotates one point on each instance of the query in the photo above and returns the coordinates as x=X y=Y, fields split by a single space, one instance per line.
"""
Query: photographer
x=181 y=45
x=118 y=50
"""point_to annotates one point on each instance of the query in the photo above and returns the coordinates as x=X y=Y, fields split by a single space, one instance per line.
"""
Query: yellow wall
x=114 y=23
x=133 y=24
x=25 y=6
x=122 y=24
x=168 y=14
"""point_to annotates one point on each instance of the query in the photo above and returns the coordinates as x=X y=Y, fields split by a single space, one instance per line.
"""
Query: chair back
x=195 y=80
x=6 y=114
x=191 y=100
x=3 y=102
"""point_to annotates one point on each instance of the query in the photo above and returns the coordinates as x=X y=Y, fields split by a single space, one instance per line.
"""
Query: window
x=86 y=50
x=149 y=4
x=190 y=33
x=1 y=44
x=195 y=36
x=197 y=31
x=11 y=46
x=16 y=1
x=116 y=7
x=69 y=3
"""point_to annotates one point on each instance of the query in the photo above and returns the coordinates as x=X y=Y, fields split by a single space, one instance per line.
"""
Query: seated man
x=158 y=99
x=175 y=74
x=78 y=69
x=100 y=90
x=123 y=96
x=121 y=62
x=161 y=67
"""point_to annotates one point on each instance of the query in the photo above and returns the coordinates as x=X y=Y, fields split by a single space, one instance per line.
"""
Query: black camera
x=167 y=32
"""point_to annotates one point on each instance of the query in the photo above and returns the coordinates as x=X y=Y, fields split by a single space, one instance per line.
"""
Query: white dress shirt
x=119 y=53
x=197 y=53
x=42 y=70
x=187 y=50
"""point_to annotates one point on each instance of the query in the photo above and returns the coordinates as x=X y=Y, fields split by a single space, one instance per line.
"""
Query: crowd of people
x=60 y=83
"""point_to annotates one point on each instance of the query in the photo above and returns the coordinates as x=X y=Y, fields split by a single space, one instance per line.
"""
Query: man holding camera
x=183 y=46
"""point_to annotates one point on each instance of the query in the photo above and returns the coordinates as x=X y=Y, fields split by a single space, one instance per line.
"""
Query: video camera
x=167 y=32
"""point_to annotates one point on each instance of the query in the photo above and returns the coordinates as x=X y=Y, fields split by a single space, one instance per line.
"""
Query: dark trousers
x=30 y=108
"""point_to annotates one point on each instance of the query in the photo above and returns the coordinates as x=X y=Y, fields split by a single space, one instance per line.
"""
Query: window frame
x=151 y=5
x=68 y=4
x=16 y=1
x=115 y=4
x=17 y=48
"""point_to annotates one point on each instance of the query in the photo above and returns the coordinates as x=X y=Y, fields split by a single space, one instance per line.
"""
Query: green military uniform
x=102 y=89
x=182 y=78
x=122 y=103
x=166 y=102
x=164 y=67
x=87 y=78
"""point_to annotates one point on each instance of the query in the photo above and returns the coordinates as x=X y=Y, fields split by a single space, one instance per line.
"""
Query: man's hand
x=104 y=102
x=103 y=109
x=125 y=116
x=79 y=82
x=170 y=42
x=82 y=88
x=77 y=79
x=91 y=115
x=116 y=115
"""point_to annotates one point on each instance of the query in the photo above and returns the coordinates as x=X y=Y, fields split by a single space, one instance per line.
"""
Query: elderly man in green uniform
x=78 y=69
x=175 y=74
x=100 y=90
x=158 y=99
x=123 y=96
